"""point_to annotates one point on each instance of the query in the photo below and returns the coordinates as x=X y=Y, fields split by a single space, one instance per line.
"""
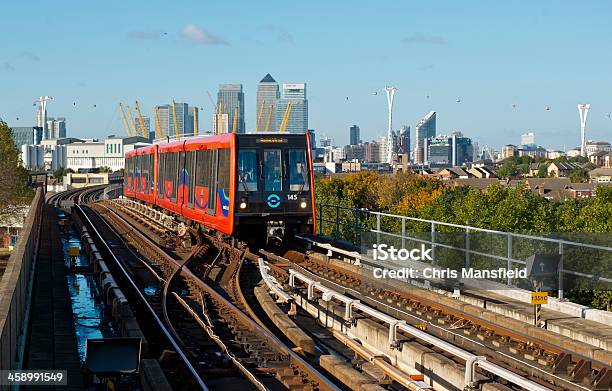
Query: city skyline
x=500 y=96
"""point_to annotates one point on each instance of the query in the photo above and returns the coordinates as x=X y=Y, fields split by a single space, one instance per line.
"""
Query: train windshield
x=247 y=170
x=298 y=170
x=272 y=170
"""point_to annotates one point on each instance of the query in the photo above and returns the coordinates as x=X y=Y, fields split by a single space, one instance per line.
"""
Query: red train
x=247 y=185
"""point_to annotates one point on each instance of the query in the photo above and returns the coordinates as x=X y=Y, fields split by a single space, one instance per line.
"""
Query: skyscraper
x=231 y=99
x=268 y=95
x=425 y=129
x=297 y=121
x=528 y=138
x=56 y=128
x=354 y=135
x=192 y=120
x=27 y=135
x=403 y=140
x=165 y=116
x=147 y=125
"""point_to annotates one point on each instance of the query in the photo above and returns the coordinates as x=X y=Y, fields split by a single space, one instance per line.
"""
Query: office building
x=56 y=128
x=268 y=95
x=354 y=135
x=193 y=124
x=403 y=140
x=297 y=120
x=110 y=152
x=528 y=138
x=231 y=100
x=27 y=135
x=326 y=141
x=508 y=151
x=371 y=152
x=453 y=150
x=425 y=129
x=147 y=126
x=165 y=116
x=354 y=152
x=593 y=147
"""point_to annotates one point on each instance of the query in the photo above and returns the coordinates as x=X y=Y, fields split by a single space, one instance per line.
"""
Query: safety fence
x=15 y=286
x=584 y=259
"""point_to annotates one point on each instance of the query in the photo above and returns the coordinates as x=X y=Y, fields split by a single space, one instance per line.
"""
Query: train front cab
x=274 y=185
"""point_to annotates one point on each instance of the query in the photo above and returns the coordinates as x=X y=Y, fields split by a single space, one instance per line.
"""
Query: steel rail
x=152 y=312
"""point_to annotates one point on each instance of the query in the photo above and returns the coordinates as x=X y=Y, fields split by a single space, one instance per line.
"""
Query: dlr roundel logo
x=273 y=201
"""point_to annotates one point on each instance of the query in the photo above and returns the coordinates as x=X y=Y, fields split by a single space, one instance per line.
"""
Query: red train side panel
x=145 y=189
x=221 y=216
x=168 y=181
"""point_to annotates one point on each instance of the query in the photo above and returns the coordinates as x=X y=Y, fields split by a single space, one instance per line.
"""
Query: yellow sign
x=539 y=297
x=271 y=140
x=421 y=326
x=74 y=251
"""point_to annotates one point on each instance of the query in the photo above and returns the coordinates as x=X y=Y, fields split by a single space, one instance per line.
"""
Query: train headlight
x=303 y=203
x=243 y=203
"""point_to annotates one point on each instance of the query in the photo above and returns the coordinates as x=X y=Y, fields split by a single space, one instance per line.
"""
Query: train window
x=137 y=173
x=272 y=170
x=145 y=173
x=212 y=180
x=181 y=179
x=190 y=174
x=175 y=175
x=161 y=174
x=247 y=170
x=168 y=190
x=223 y=174
x=298 y=170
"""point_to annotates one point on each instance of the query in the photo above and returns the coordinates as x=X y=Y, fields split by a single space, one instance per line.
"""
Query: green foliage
x=543 y=171
x=508 y=169
x=579 y=175
x=14 y=191
x=61 y=172
x=105 y=169
x=502 y=208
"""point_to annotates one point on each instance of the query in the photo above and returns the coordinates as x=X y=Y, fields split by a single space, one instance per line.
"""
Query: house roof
x=601 y=171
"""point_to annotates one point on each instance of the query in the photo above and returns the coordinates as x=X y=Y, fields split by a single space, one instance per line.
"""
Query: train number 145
x=292 y=197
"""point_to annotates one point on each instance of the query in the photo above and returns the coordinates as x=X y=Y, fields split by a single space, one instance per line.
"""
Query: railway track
x=552 y=367
x=204 y=321
x=555 y=367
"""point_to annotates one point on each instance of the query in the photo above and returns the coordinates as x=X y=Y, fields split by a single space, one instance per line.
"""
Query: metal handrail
x=507 y=237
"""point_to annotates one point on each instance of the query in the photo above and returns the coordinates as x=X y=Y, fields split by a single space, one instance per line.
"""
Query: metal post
x=468 y=256
x=560 y=271
x=433 y=243
x=337 y=232
x=377 y=229
x=356 y=227
x=509 y=266
x=320 y=219
x=403 y=232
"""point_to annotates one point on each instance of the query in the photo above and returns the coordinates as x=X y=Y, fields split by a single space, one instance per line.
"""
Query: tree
x=14 y=191
x=105 y=169
x=579 y=175
x=61 y=172
x=542 y=171
x=507 y=170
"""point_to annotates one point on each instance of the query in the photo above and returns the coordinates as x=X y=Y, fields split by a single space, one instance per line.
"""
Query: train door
x=272 y=169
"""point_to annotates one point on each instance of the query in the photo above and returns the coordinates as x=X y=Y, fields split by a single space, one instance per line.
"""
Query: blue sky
x=490 y=54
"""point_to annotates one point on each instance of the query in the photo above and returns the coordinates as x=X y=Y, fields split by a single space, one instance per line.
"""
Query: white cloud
x=203 y=36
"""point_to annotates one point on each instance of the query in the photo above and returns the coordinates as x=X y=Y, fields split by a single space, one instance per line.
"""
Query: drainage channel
x=91 y=319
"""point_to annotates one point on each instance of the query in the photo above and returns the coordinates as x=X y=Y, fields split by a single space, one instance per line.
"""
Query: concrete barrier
x=15 y=288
